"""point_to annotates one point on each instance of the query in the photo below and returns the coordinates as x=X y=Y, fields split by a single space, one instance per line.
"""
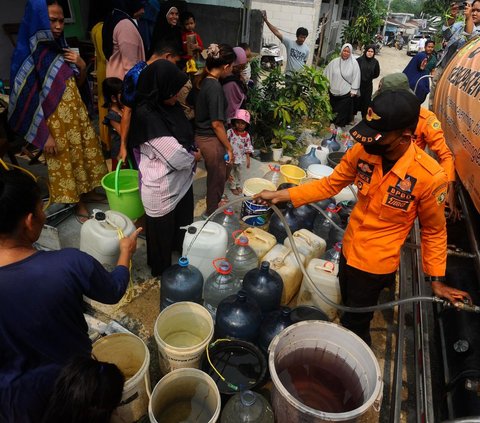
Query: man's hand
x=272 y=197
x=264 y=15
x=50 y=146
x=451 y=294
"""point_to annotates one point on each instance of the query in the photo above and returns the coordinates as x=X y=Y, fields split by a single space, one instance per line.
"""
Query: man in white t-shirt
x=421 y=43
x=297 y=50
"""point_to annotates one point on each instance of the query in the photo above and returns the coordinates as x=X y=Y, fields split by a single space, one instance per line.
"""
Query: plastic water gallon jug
x=283 y=261
x=210 y=244
x=324 y=276
x=265 y=286
x=325 y=229
x=308 y=159
x=238 y=316
x=219 y=285
x=274 y=175
x=294 y=221
x=242 y=257
x=261 y=241
x=273 y=323
x=334 y=253
x=308 y=244
x=229 y=220
x=331 y=142
x=320 y=152
x=100 y=235
x=181 y=282
x=247 y=406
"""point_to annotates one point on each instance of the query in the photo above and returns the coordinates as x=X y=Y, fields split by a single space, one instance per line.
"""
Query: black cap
x=390 y=110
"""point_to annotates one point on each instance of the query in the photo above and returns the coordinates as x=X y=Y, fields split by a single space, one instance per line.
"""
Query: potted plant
x=282 y=139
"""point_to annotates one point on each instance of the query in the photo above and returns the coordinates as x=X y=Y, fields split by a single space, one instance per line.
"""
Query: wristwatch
x=435 y=279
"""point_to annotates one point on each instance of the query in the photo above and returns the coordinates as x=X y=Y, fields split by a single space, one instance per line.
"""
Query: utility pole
x=386 y=19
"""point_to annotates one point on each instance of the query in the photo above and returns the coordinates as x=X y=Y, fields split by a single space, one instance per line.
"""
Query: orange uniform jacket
x=387 y=207
x=429 y=133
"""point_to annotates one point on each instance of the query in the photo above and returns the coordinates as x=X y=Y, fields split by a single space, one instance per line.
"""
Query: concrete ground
x=139 y=313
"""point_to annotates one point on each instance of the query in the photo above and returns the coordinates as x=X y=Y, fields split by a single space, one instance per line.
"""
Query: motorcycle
x=270 y=57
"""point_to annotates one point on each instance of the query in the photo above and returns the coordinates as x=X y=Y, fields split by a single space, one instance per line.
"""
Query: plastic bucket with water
x=292 y=173
x=130 y=354
x=185 y=395
x=251 y=213
x=123 y=193
x=182 y=332
x=345 y=359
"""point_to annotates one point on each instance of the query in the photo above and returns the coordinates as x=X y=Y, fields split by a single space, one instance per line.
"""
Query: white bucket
x=251 y=213
x=346 y=194
x=130 y=354
x=343 y=351
x=182 y=332
x=277 y=153
x=185 y=395
x=319 y=171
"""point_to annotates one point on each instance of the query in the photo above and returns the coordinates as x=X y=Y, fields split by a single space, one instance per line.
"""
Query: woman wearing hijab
x=46 y=108
x=234 y=87
x=167 y=32
x=344 y=76
x=369 y=70
x=163 y=144
x=414 y=71
x=122 y=42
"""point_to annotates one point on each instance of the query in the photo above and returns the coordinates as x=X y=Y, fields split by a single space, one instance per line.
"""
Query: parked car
x=412 y=46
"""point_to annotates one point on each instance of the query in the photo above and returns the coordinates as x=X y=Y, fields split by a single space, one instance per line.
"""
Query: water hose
x=341 y=307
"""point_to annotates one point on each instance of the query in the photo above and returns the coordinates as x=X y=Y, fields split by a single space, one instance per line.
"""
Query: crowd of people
x=167 y=103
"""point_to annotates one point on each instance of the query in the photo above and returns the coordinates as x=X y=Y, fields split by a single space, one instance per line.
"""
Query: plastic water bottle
x=324 y=227
x=230 y=222
x=247 y=406
x=242 y=257
x=181 y=282
x=331 y=143
x=274 y=175
x=219 y=285
x=334 y=253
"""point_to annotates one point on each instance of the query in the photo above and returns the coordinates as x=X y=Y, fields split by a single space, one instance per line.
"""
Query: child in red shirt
x=192 y=43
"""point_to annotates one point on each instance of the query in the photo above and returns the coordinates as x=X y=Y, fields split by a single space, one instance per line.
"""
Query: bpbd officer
x=397 y=182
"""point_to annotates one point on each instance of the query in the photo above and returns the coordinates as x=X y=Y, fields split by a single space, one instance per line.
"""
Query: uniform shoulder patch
x=436 y=124
x=440 y=193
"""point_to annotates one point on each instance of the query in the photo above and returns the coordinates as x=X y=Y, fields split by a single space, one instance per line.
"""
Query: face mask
x=376 y=149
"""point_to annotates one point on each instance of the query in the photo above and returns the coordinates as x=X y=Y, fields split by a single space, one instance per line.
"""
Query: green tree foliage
x=281 y=105
x=436 y=7
x=363 y=27
x=407 y=6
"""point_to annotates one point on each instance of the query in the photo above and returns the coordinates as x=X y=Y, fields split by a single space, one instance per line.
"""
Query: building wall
x=287 y=16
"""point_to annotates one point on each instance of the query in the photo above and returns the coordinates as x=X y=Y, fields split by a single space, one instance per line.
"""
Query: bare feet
x=81 y=212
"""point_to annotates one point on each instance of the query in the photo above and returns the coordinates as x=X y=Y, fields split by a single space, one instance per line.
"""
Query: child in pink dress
x=242 y=148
